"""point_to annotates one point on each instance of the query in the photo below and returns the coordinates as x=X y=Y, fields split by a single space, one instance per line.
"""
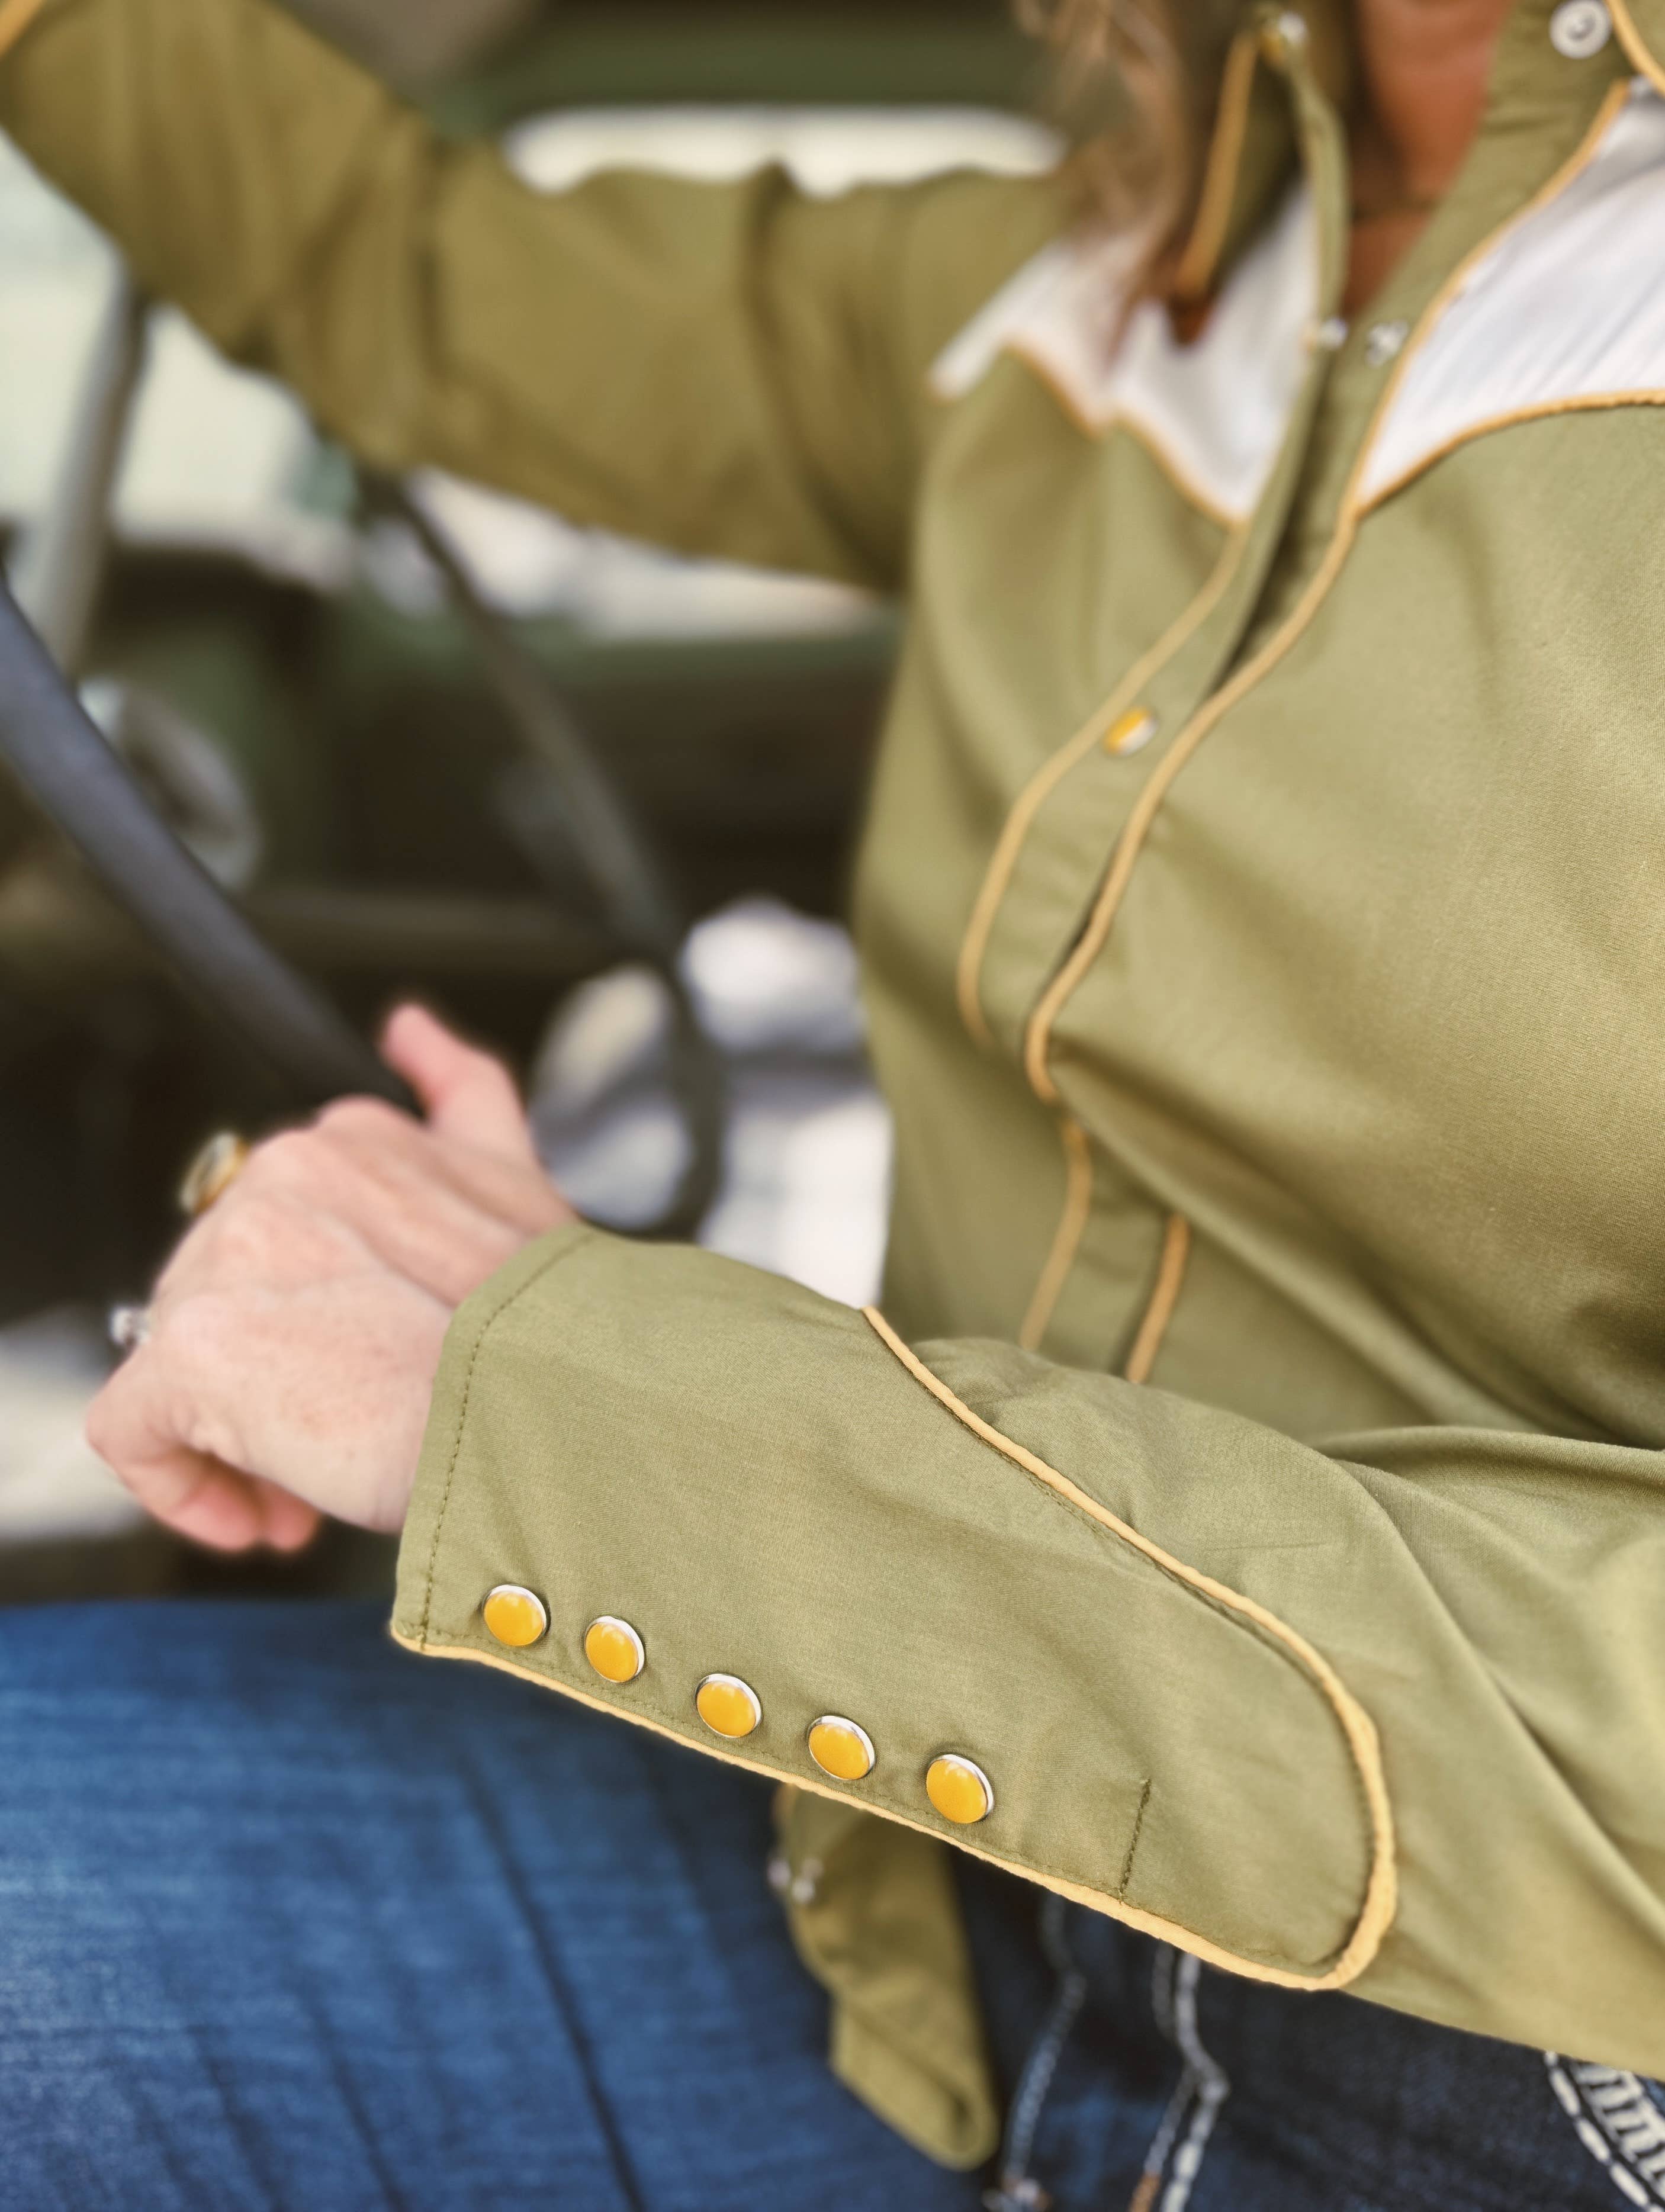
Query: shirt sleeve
x=1385 y=1715
x=734 y=369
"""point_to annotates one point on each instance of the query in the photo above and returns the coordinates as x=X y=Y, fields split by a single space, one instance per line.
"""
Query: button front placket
x=1064 y=853
x=1088 y=835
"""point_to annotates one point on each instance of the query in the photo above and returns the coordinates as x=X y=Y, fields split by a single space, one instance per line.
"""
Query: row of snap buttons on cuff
x=957 y=1786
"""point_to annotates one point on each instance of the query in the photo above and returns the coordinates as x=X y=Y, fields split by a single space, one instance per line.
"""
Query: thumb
x=466 y=1094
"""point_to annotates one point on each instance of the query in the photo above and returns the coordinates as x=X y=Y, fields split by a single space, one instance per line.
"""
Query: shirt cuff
x=717 y=1505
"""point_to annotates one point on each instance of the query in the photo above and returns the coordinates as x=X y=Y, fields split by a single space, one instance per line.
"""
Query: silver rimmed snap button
x=1384 y=341
x=1290 y=31
x=1579 y=29
x=1283 y=37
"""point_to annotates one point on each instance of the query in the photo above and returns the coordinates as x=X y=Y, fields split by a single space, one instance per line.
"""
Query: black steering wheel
x=64 y=762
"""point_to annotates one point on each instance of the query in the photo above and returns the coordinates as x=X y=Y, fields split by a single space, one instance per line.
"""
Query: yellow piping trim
x=1637 y=49
x=1004 y=861
x=1381 y=1890
x=1170 y=1277
x=1078 y=1204
x=1200 y=258
x=1039 y=1036
x=1227 y=517
x=1594 y=402
x=1099 y=426
x=16 y=18
x=1145 y=812
x=1097 y=1900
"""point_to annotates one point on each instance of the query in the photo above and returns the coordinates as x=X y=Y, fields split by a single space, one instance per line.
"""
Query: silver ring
x=129 y=1326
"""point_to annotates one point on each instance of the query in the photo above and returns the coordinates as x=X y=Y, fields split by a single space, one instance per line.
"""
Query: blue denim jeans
x=1139 y=2079
x=289 y=1919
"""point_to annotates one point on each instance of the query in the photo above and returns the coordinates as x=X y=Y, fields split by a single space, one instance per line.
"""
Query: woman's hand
x=296 y=1332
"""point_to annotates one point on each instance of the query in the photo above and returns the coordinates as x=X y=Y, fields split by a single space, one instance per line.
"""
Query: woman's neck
x=1423 y=67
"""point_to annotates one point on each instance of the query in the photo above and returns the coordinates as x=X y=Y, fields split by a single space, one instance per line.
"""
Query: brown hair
x=1137 y=86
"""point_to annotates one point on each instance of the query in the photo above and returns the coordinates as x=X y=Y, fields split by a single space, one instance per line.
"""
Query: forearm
x=1324 y=1722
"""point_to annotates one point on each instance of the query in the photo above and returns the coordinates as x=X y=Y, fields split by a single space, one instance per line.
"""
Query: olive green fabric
x=698 y=365
x=904 y=1521
x=875 y=1917
x=1372 y=1047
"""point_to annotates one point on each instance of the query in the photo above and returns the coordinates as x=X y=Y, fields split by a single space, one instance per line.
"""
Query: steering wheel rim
x=62 y=760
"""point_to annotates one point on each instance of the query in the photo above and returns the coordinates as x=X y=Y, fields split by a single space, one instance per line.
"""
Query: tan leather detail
x=1170 y=1277
x=1382 y=1888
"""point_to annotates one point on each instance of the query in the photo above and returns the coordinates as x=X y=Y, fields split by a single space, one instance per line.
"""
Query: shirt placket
x=1541 y=110
x=1046 y=905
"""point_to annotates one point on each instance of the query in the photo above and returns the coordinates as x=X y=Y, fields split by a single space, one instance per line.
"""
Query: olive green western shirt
x=1254 y=1473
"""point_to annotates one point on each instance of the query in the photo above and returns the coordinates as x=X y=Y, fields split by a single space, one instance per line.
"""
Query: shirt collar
x=1252 y=152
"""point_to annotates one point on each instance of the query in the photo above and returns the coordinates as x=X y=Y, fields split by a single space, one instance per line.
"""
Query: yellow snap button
x=728 y=1705
x=515 y=1616
x=959 y=1789
x=614 y=1649
x=840 y=1749
x=1130 y=731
